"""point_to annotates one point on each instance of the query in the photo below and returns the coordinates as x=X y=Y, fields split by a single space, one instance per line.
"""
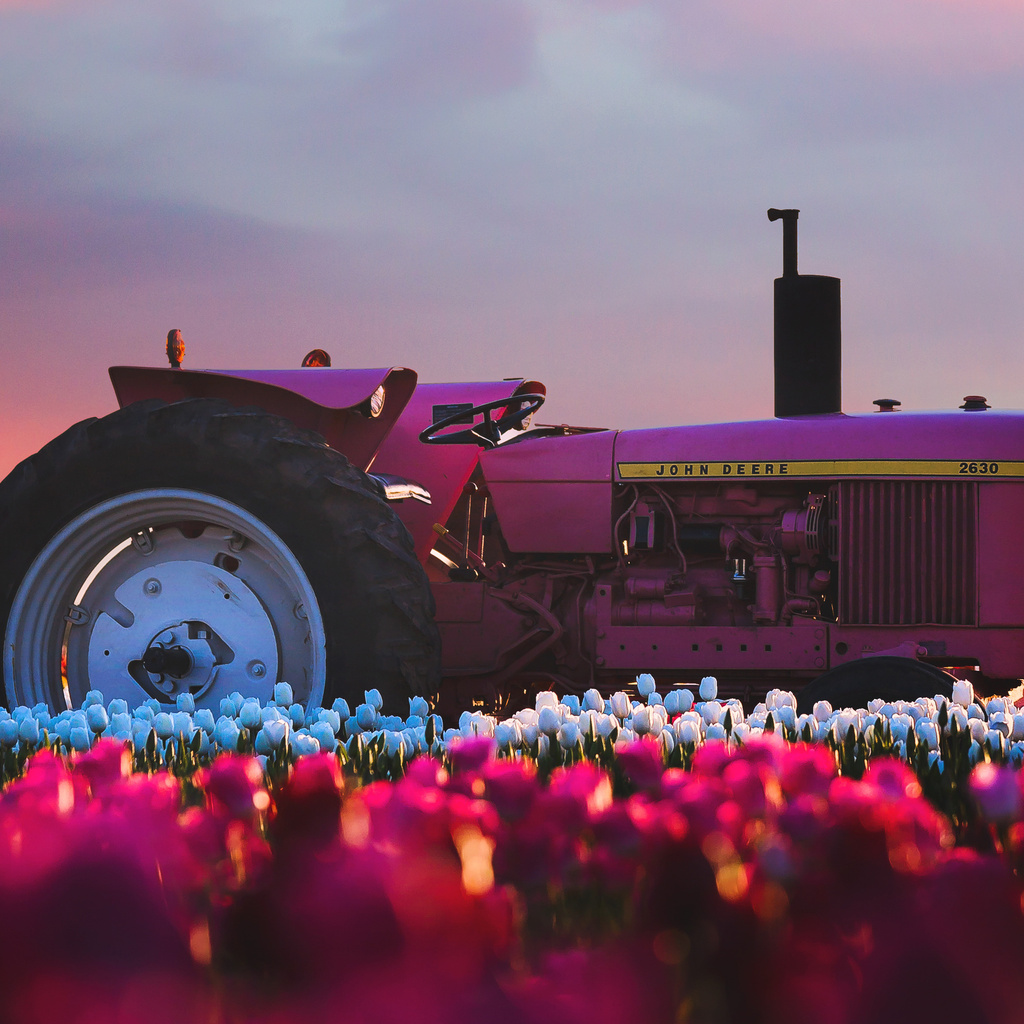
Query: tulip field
x=644 y=857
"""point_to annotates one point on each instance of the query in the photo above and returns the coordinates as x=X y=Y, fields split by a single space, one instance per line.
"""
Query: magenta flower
x=642 y=763
x=997 y=792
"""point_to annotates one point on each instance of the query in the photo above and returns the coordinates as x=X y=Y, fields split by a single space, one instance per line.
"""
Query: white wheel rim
x=202 y=576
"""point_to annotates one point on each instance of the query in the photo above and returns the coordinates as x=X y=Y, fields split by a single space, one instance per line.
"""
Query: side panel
x=554 y=494
x=1001 y=554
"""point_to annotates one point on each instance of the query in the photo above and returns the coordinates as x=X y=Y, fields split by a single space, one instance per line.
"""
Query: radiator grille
x=907 y=552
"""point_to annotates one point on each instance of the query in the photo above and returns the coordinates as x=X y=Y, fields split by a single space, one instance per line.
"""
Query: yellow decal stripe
x=827 y=468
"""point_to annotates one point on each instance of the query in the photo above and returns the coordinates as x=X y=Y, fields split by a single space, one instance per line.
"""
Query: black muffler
x=808 y=334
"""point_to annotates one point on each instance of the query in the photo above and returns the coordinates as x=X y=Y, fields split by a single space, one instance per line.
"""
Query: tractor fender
x=333 y=403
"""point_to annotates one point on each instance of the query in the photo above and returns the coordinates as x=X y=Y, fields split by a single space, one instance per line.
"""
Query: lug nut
x=152 y=587
x=258 y=669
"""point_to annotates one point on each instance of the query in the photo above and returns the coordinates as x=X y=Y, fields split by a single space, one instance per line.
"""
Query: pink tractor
x=342 y=529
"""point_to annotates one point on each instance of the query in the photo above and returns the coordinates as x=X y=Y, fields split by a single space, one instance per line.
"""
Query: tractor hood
x=334 y=403
x=833 y=446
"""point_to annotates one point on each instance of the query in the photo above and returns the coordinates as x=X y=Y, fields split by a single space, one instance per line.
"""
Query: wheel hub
x=177 y=627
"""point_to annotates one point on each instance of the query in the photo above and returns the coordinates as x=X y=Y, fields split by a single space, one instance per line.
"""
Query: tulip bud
x=606 y=725
x=593 y=701
x=203 y=719
x=667 y=740
x=28 y=730
x=9 y=732
x=672 y=701
x=283 y=694
x=96 y=715
x=164 y=725
x=121 y=725
x=374 y=699
x=80 y=738
x=655 y=699
x=549 y=721
x=963 y=692
x=92 y=697
x=688 y=732
x=324 y=735
x=226 y=733
x=645 y=684
x=621 y=707
x=418 y=707
x=927 y=733
x=571 y=703
x=181 y=722
x=185 y=702
x=297 y=715
x=546 y=699
x=642 y=721
x=708 y=688
x=715 y=732
x=504 y=735
x=822 y=710
x=568 y=735
x=366 y=716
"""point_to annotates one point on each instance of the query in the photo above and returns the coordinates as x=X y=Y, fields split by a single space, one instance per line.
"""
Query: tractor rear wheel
x=854 y=683
x=198 y=547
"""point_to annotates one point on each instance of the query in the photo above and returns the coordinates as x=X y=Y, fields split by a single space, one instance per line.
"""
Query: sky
x=568 y=190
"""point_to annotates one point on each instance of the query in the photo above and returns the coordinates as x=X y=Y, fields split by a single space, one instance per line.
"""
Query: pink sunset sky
x=567 y=190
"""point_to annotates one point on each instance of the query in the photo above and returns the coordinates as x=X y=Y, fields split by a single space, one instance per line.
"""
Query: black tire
x=854 y=683
x=373 y=596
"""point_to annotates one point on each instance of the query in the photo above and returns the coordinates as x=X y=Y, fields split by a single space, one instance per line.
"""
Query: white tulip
x=324 y=734
x=741 y=732
x=963 y=692
x=92 y=697
x=687 y=731
x=606 y=725
x=121 y=725
x=80 y=739
x=593 y=701
x=668 y=742
x=182 y=724
x=1017 y=754
x=28 y=730
x=374 y=699
x=185 y=702
x=958 y=713
x=250 y=714
x=549 y=721
x=976 y=711
x=96 y=716
x=708 y=688
x=276 y=732
x=227 y=707
x=645 y=684
x=642 y=721
x=1017 y=732
x=140 y=733
x=568 y=735
x=786 y=715
x=822 y=710
x=297 y=714
x=546 y=699
x=711 y=712
x=978 y=727
x=204 y=720
x=341 y=706
x=927 y=733
x=655 y=699
x=975 y=753
x=715 y=732
x=997 y=720
x=530 y=734
x=226 y=734
x=504 y=735
x=621 y=707
x=366 y=716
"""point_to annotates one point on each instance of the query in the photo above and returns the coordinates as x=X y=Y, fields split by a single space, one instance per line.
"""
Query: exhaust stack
x=808 y=334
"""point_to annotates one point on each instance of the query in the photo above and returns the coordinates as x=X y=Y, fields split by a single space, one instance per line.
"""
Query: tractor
x=341 y=529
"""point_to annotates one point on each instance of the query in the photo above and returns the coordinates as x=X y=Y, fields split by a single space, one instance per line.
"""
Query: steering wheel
x=488 y=433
